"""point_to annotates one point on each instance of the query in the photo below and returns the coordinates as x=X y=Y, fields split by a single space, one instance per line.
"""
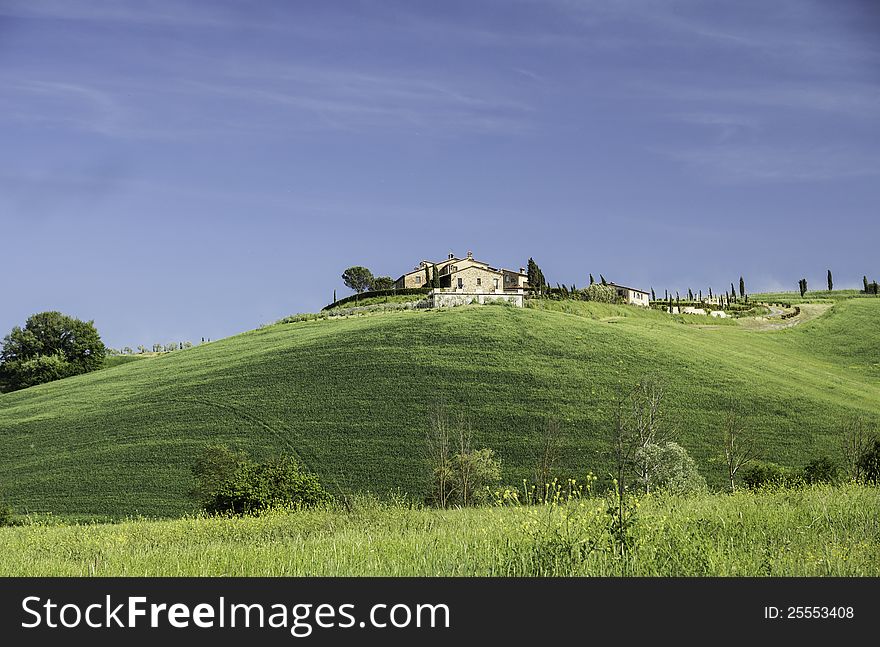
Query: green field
x=352 y=397
x=807 y=532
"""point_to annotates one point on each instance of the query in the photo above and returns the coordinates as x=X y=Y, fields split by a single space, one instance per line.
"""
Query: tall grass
x=817 y=531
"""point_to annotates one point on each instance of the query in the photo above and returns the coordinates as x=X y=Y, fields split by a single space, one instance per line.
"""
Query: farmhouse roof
x=626 y=287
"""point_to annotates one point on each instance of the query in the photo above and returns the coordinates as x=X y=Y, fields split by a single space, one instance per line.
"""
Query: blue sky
x=185 y=170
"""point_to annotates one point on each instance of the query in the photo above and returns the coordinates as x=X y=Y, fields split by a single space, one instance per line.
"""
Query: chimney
x=470 y=254
x=451 y=256
x=522 y=270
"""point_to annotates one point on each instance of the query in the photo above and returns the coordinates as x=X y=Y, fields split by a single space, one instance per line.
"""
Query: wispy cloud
x=744 y=164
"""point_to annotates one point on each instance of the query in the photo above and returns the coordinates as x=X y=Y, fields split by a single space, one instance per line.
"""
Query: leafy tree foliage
x=671 y=468
x=869 y=463
x=821 y=470
x=230 y=482
x=49 y=347
x=358 y=278
x=536 y=279
x=382 y=283
x=600 y=293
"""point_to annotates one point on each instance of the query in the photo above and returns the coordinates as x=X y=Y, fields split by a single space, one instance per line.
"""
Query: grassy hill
x=352 y=397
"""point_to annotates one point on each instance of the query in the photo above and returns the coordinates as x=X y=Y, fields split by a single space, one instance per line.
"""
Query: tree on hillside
x=435 y=277
x=592 y=280
x=865 y=281
x=358 y=278
x=51 y=346
x=830 y=281
x=382 y=283
x=738 y=446
x=802 y=286
x=653 y=297
x=536 y=279
x=742 y=287
x=710 y=292
x=690 y=295
x=602 y=280
x=427 y=275
x=733 y=291
x=855 y=443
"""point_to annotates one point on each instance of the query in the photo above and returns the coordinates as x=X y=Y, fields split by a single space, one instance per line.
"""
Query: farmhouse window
x=479 y=281
x=460 y=283
x=496 y=284
x=418 y=279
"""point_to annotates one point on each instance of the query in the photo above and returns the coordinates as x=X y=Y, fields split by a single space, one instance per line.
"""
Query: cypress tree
x=602 y=279
x=742 y=287
x=830 y=281
x=670 y=304
x=427 y=275
x=334 y=301
x=865 y=281
x=592 y=281
x=653 y=298
x=733 y=291
x=710 y=292
x=690 y=295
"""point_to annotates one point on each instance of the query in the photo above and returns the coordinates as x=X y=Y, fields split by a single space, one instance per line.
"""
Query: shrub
x=821 y=470
x=767 y=475
x=6 y=513
x=600 y=293
x=869 y=462
x=231 y=483
x=672 y=469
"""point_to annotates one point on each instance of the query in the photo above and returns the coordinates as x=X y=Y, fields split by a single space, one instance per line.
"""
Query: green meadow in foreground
x=822 y=530
x=352 y=397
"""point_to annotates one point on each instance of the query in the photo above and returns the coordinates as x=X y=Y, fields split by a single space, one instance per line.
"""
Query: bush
x=6 y=513
x=231 y=483
x=672 y=469
x=767 y=475
x=869 y=462
x=600 y=293
x=821 y=470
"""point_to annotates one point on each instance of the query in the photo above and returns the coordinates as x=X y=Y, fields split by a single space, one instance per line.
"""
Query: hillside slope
x=352 y=398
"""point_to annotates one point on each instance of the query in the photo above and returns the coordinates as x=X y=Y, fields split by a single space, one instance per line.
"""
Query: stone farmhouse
x=466 y=280
x=632 y=296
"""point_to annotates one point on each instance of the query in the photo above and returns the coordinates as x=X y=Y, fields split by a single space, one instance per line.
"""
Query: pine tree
x=830 y=281
x=742 y=287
